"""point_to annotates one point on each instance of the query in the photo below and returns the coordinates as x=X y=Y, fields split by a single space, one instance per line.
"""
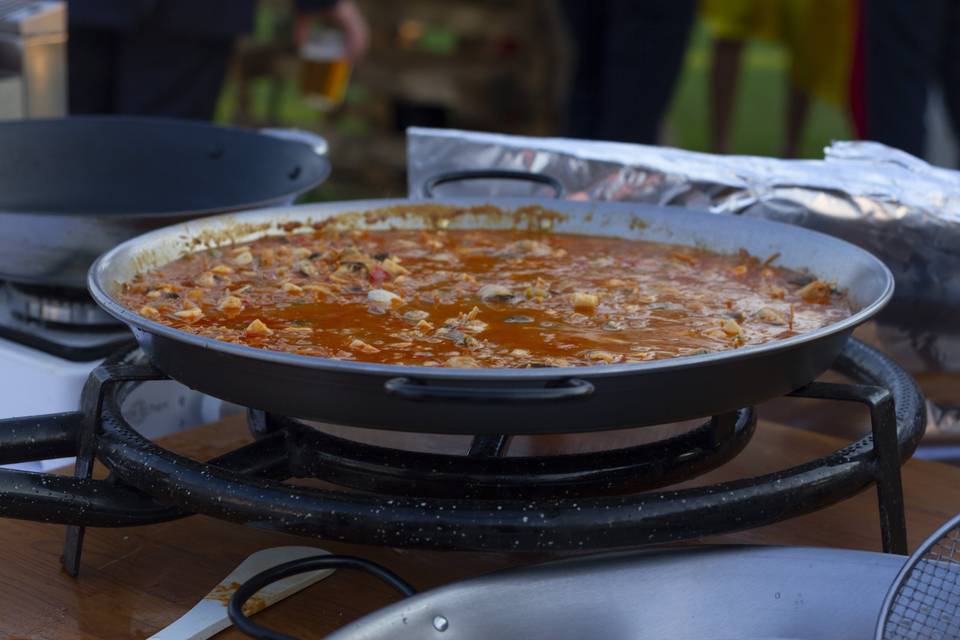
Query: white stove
x=44 y=365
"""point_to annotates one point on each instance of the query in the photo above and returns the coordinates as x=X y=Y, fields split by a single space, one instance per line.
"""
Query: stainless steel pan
x=706 y=593
x=504 y=400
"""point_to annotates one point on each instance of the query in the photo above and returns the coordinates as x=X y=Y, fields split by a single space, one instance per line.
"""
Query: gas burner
x=62 y=322
x=481 y=500
x=56 y=305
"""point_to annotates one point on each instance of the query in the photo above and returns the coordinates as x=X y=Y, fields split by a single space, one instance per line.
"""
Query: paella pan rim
x=97 y=284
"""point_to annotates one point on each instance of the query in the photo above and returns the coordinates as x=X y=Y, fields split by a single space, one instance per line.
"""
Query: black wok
x=72 y=188
x=504 y=400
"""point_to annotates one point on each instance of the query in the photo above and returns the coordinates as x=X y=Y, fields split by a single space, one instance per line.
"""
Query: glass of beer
x=324 y=69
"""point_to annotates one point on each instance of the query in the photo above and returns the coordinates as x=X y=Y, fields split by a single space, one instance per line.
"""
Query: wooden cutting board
x=135 y=581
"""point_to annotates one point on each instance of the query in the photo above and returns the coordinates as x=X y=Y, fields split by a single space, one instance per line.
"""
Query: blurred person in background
x=818 y=36
x=907 y=47
x=628 y=59
x=169 y=57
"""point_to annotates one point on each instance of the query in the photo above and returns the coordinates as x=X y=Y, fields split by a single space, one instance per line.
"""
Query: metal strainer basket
x=924 y=601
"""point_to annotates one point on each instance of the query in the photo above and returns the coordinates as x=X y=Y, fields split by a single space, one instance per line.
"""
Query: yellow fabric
x=742 y=19
x=817 y=34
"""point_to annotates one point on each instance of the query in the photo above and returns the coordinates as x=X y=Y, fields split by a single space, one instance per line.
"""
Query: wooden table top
x=135 y=581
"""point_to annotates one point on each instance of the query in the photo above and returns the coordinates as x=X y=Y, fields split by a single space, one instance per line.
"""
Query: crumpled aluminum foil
x=892 y=204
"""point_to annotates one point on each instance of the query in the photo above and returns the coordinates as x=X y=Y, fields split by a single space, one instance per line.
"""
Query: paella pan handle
x=411 y=389
x=491 y=174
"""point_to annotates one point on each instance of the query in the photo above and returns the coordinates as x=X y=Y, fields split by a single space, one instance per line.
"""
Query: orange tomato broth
x=481 y=298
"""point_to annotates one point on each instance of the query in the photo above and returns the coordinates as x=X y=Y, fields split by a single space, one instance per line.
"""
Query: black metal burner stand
x=478 y=501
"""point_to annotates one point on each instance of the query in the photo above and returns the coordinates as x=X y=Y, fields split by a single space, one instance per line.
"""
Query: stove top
x=64 y=324
x=50 y=342
x=67 y=308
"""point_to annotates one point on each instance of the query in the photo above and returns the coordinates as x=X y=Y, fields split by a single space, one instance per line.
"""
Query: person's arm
x=343 y=14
